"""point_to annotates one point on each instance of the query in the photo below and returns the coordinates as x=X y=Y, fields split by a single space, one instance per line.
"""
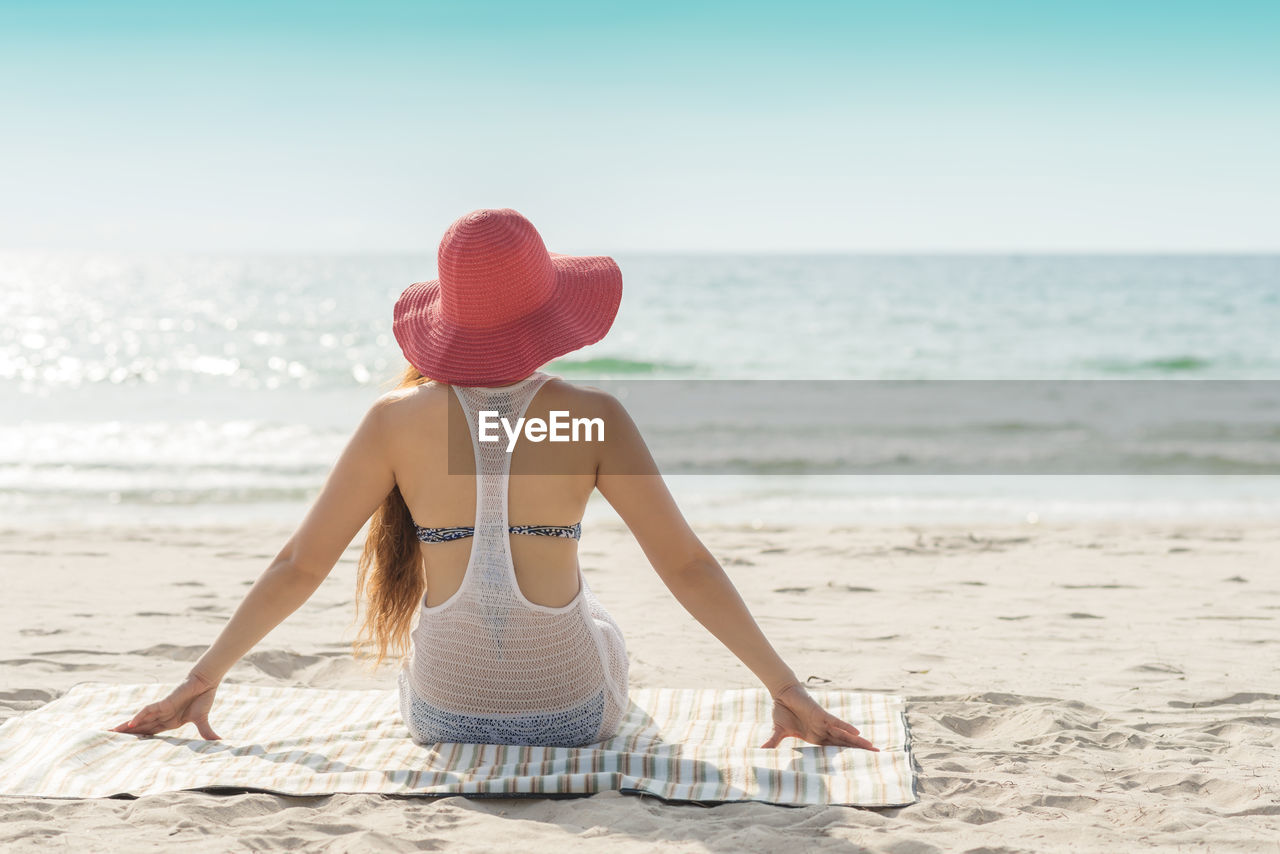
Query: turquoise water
x=220 y=388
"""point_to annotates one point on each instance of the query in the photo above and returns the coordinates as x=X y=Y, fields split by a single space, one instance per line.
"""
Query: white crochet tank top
x=487 y=665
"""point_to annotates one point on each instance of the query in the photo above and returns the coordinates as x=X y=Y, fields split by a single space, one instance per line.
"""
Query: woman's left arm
x=359 y=482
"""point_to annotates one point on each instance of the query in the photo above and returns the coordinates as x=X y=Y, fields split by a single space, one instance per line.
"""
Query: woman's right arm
x=628 y=478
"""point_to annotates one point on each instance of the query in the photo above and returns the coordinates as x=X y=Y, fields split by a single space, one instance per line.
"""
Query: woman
x=510 y=644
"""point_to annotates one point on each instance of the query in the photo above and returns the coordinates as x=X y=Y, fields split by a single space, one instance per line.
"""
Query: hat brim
x=580 y=310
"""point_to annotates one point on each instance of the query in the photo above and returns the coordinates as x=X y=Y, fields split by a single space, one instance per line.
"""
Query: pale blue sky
x=894 y=126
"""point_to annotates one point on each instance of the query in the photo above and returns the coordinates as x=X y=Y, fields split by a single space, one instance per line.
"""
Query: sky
x=794 y=126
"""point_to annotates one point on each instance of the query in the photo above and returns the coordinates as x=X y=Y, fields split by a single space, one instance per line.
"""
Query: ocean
x=219 y=389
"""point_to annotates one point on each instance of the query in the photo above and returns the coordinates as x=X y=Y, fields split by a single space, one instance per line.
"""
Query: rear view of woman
x=470 y=568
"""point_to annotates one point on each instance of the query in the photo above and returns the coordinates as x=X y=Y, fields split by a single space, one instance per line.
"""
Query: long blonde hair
x=390 y=573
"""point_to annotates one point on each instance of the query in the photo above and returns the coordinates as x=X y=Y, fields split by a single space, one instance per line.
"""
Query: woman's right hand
x=796 y=714
x=189 y=702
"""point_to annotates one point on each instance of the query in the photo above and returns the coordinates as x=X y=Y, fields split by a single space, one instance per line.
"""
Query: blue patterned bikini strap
x=571 y=532
x=444 y=535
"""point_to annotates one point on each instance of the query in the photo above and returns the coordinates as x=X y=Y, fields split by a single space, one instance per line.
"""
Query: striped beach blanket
x=690 y=745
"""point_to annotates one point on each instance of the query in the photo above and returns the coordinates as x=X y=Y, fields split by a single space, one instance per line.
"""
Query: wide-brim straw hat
x=503 y=305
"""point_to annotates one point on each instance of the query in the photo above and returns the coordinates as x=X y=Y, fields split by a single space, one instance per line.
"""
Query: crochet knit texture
x=487 y=665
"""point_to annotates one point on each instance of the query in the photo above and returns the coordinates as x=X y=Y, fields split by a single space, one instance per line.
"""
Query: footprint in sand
x=1232 y=618
x=39 y=695
x=171 y=651
x=1098 y=586
x=45 y=662
x=1239 y=699
x=283 y=664
x=1157 y=668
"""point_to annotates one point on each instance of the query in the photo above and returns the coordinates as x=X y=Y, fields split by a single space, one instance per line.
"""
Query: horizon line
x=755 y=251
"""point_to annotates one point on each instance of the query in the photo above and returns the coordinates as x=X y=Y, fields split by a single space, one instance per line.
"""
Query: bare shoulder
x=415 y=407
x=584 y=400
x=621 y=449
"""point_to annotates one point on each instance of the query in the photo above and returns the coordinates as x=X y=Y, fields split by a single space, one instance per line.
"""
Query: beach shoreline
x=1106 y=683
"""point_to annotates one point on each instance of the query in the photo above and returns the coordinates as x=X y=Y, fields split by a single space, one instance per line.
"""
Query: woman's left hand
x=189 y=702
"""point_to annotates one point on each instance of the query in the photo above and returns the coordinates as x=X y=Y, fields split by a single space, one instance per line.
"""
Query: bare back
x=550 y=484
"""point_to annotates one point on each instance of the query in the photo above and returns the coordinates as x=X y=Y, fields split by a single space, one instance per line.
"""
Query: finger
x=775 y=739
x=860 y=742
x=136 y=726
x=206 y=731
x=152 y=724
x=134 y=721
x=148 y=713
x=837 y=737
x=847 y=727
x=141 y=722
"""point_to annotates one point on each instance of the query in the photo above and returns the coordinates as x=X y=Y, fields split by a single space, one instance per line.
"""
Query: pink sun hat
x=503 y=305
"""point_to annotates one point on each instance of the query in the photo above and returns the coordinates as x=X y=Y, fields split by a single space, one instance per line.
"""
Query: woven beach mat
x=679 y=744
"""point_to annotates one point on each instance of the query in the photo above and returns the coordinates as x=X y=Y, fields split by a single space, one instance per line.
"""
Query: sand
x=1087 y=687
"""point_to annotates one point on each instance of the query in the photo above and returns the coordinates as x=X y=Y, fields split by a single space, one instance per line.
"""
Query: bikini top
x=444 y=535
